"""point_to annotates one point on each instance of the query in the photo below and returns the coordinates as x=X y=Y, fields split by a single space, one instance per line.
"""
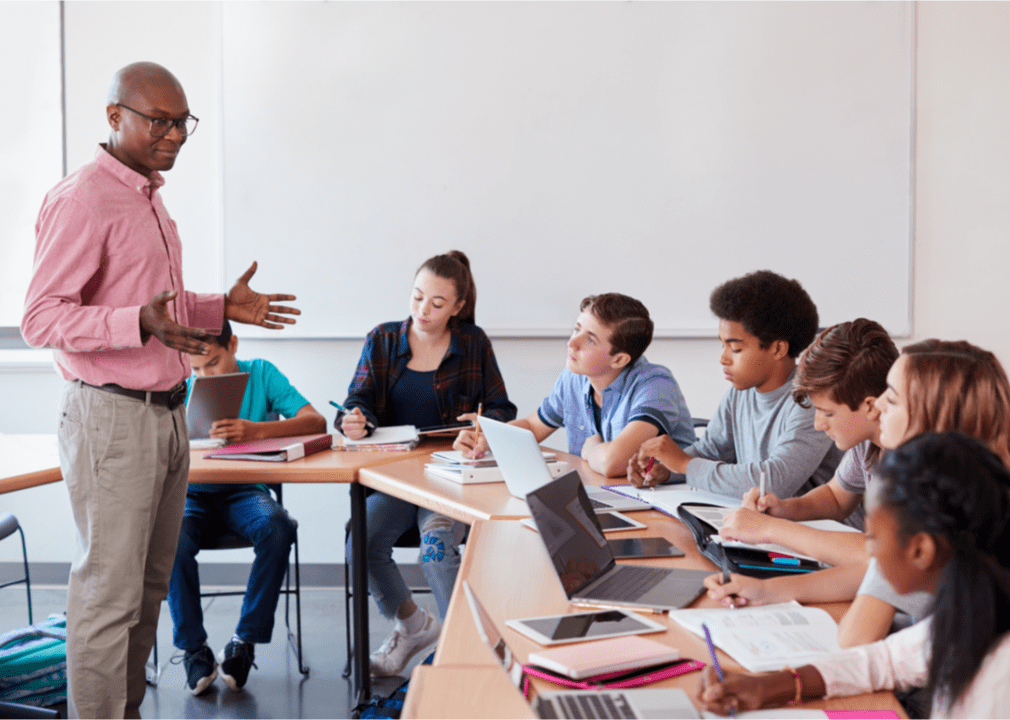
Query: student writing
x=431 y=369
x=609 y=398
x=938 y=521
x=765 y=322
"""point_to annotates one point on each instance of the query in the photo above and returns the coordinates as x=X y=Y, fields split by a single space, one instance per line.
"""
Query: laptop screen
x=570 y=531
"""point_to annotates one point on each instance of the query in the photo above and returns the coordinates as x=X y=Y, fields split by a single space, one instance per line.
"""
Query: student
x=934 y=385
x=609 y=398
x=765 y=322
x=938 y=521
x=841 y=375
x=247 y=510
x=431 y=369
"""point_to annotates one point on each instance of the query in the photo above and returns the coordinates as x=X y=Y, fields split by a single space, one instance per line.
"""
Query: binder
x=283 y=449
x=477 y=474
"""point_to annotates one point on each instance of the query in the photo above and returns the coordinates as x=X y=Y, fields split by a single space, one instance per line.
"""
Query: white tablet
x=593 y=625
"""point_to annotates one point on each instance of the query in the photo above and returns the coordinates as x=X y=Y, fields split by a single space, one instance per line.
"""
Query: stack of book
x=452 y=465
x=383 y=439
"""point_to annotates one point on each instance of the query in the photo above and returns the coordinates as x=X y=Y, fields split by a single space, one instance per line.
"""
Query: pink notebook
x=586 y=659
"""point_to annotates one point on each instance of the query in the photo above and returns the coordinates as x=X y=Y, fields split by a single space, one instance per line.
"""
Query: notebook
x=524 y=468
x=214 y=397
x=584 y=562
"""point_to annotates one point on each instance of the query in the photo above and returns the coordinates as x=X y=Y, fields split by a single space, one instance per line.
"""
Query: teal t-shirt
x=268 y=396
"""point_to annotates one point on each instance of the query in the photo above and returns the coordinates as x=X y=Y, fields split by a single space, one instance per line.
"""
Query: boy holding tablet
x=765 y=322
x=609 y=398
x=248 y=510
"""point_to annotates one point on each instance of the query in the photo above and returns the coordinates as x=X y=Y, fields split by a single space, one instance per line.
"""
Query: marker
x=338 y=406
x=715 y=660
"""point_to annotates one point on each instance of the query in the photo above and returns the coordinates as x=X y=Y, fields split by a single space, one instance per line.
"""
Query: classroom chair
x=8 y=525
x=220 y=538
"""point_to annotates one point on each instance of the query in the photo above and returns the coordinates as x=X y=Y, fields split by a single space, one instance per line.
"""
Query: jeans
x=387 y=519
x=252 y=513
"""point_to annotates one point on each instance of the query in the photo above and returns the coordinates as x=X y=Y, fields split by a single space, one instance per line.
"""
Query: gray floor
x=276 y=689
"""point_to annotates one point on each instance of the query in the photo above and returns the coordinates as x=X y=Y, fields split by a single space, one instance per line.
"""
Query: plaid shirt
x=467 y=375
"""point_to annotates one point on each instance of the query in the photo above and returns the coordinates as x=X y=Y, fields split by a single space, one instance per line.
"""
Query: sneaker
x=200 y=669
x=400 y=647
x=236 y=660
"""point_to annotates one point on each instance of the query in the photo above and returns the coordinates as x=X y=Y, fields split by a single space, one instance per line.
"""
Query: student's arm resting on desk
x=837 y=584
x=610 y=459
x=307 y=421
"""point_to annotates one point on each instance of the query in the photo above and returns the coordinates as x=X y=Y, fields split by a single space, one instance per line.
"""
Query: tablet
x=614 y=521
x=594 y=625
x=450 y=428
x=650 y=547
x=214 y=397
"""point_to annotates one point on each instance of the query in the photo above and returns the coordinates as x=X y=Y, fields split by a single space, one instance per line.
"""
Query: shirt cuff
x=124 y=328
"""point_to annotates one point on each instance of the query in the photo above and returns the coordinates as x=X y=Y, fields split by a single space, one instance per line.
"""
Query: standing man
x=107 y=296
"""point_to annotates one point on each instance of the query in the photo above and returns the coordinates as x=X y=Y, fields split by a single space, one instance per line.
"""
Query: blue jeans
x=252 y=513
x=387 y=519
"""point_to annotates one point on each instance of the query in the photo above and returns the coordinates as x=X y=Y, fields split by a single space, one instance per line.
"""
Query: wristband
x=799 y=685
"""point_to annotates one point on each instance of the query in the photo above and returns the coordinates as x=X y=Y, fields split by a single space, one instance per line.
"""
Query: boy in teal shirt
x=247 y=510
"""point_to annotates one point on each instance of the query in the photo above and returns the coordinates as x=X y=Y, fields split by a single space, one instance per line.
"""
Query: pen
x=603 y=606
x=476 y=424
x=338 y=406
x=715 y=660
x=725 y=577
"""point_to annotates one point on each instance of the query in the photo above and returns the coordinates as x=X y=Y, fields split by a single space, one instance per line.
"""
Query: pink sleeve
x=68 y=256
x=897 y=662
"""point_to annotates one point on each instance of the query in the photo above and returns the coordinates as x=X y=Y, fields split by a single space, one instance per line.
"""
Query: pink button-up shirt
x=105 y=246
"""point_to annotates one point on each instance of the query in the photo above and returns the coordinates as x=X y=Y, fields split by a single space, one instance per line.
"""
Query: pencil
x=715 y=660
x=476 y=424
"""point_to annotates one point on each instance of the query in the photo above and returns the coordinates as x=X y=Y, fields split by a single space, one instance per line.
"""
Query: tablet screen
x=583 y=626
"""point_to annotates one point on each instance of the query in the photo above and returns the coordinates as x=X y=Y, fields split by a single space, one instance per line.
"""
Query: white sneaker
x=400 y=647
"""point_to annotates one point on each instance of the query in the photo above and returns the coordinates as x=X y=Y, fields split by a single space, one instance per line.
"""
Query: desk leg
x=359 y=582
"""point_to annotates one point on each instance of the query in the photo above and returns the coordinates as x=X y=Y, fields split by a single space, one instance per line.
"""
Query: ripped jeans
x=387 y=519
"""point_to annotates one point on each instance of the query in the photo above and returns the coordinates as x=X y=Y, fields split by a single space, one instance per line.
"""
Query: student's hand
x=738 y=692
x=234 y=430
x=666 y=451
x=770 y=504
x=639 y=478
x=245 y=305
x=352 y=424
x=747 y=526
x=155 y=320
x=465 y=440
x=743 y=589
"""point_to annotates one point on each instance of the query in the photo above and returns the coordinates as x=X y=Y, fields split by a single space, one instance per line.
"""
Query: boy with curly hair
x=765 y=322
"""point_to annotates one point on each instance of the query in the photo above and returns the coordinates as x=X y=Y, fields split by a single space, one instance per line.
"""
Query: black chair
x=220 y=538
x=8 y=526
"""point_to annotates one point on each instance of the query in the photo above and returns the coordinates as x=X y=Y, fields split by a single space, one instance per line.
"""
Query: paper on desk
x=389 y=435
x=767 y=637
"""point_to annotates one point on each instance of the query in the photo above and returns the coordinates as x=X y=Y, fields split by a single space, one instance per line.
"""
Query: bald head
x=140 y=78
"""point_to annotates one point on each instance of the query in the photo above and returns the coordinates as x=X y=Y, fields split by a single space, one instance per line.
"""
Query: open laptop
x=522 y=464
x=214 y=397
x=585 y=563
x=642 y=703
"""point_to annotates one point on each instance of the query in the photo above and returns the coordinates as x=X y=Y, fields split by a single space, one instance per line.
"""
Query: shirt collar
x=127 y=176
x=617 y=386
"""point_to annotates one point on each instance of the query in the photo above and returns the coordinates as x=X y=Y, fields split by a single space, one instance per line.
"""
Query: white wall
x=961 y=254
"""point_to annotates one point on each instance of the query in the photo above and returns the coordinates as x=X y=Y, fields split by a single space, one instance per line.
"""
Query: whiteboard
x=655 y=149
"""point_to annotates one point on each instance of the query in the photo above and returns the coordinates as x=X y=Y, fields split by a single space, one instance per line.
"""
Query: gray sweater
x=753 y=432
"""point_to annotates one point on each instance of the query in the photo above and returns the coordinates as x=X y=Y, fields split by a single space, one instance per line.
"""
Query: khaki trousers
x=126 y=466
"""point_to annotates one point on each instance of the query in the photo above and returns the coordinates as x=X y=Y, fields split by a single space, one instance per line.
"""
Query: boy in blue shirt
x=609 y=398
x=765 y=322
x=248 y=510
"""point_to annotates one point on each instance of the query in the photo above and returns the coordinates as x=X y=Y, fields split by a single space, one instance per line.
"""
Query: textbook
x=391 y=437
x=766 y=637
x=668 y=498
x=282 y=449
x=467 y=474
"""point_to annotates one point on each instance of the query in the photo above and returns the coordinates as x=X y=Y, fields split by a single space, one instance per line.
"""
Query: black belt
x=169 y=398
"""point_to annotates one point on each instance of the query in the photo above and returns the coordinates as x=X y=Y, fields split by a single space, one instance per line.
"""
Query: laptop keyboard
x=629 y=582
x=586 y=705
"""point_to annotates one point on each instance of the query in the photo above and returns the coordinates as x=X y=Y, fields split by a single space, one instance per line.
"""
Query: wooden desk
x=28 y=460
x=509 y=570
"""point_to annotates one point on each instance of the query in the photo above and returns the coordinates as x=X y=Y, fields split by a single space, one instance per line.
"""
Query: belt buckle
x=177 y=396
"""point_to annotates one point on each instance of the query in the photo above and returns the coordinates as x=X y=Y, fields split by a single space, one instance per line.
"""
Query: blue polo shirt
x=268 y=396
x=642 y=391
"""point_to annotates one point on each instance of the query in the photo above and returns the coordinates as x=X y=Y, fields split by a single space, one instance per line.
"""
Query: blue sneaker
x=201 y=669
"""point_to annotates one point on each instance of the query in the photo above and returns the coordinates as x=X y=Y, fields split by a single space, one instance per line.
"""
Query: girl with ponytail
x=938 y=521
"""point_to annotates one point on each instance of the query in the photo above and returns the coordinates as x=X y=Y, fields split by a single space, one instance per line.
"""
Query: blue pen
x=715 y=660
x=340 y=407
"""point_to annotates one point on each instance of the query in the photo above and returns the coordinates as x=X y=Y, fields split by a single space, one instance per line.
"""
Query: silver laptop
x=214 y=397
x=585 y=564
x=664 y=703
x=523 y=466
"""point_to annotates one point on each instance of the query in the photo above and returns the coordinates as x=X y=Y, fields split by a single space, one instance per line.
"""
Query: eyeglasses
x=160 y=127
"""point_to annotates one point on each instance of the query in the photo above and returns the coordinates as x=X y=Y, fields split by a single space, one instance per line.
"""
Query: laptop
x=584 y=562
x=642 y=703
x=214 y=397
x=522 y=464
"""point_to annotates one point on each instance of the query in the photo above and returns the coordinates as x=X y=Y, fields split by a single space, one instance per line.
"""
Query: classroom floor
x=276 y=689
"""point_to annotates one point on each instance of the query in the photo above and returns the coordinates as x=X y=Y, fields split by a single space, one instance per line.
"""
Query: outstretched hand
x=245 y=305
x=155 y=320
